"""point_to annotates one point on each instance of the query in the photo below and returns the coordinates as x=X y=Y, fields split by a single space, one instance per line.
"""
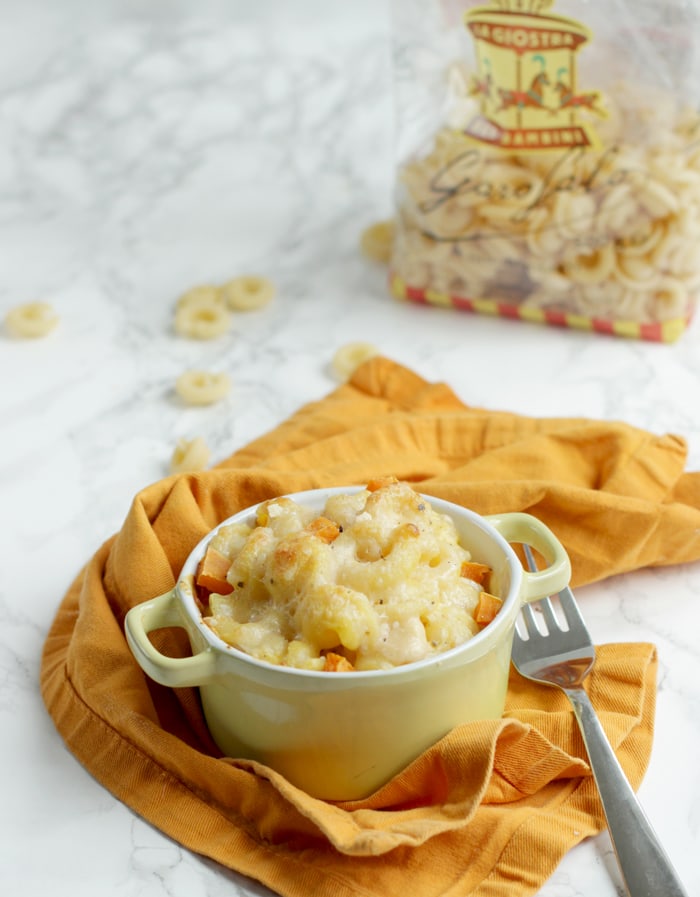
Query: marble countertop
x=145 y=149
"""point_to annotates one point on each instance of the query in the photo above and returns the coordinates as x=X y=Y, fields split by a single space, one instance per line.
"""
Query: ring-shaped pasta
x=637 y=214
x=506 y=216
x=677 y=245
x=670 y=299
x=679 y=259
x=543 y=237
x=642 y=241
x=600 y=300
x=628 y=305
x=515 y=185
x=551 y=280
x=635 y=272
x=202 y=387
x=189 y=455
x=31 y=320
x=203 y=319
x=247 y=292
x=681 y=180
x=574 y=213
x=591 y=267
x=687 y=222
x=350 y=356
x=658 y=200
x=618 y=211
x=201 y=295
x=450 y=220
x=377 y=240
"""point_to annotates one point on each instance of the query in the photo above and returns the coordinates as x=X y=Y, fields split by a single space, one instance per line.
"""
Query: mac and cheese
x=377 y=580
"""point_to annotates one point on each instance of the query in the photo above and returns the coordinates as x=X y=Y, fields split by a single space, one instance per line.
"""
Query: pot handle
x=175 y=672
x=520 y=527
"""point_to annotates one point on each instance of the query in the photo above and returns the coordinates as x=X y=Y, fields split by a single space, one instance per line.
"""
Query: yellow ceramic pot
x=340 y=736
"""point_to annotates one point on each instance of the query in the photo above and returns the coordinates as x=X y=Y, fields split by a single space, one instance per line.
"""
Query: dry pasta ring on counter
x=377 y=241
x=202 y=387
x=201 y=295
x=189 y=455
x=248 y=292
x=31 y=320
x=204 y=319
x=350 y=356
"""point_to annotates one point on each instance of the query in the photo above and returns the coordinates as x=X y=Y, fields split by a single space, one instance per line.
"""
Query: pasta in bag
x=549 y=161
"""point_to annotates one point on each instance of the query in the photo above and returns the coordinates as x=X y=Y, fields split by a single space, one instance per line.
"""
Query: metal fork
x=563 y=658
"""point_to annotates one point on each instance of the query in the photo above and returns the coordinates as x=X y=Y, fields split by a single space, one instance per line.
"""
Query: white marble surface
x=145 y=148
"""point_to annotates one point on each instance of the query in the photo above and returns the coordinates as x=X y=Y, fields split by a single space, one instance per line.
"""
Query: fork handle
x=645 y=867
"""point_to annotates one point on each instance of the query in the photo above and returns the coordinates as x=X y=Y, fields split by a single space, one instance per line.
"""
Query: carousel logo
x=526 y=81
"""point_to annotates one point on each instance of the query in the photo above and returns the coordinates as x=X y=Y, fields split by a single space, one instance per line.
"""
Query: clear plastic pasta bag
x=549 y=160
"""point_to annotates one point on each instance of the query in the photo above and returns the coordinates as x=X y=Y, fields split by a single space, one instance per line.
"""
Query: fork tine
x=571 y=608
x=548 y=614
x=545 y=604
x=529 y=620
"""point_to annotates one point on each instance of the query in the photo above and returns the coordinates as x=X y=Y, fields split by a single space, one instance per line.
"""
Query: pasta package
x=549 y=161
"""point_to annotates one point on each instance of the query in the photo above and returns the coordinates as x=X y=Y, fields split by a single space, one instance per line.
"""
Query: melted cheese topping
x=374 y=582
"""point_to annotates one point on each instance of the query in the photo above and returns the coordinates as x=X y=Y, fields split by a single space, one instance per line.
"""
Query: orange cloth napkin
x=489 y=810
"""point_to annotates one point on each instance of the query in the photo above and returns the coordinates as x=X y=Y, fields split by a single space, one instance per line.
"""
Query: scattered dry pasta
x=203 y=312
x=202 y=387
x=202 y=319
x=31 y=320
x=189 y=455
x=377 y=580
x=247 y=293
x=202 y=295
x=350 y=356
x=377 y=240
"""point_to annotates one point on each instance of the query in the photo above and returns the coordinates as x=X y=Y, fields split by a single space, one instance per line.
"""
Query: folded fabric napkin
x=492 y=808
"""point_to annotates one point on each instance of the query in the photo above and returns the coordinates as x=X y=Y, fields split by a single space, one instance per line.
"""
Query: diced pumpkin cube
x=326 y=530
x=211 y=574
x=486 y=609
x=336 y=663
x=478 y=573
x=380 y=483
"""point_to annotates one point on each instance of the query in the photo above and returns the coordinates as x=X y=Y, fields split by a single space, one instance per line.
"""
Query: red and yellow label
x=526 y=80
x=652 y=331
